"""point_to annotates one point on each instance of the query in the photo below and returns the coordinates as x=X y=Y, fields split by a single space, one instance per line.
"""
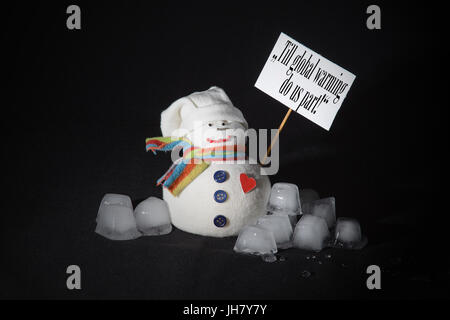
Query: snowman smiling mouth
x=218 y=140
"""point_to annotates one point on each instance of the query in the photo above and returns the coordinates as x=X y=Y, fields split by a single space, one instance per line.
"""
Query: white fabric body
x=194 y=209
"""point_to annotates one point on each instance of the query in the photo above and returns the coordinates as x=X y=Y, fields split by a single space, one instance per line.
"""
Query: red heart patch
x=247 y=184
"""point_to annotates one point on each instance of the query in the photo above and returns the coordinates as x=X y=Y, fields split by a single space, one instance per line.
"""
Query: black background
x=78 y=105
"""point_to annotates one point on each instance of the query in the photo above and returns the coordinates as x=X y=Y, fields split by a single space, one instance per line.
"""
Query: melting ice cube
x=115 y=218
x=284 y=198
x=257 y=241
x=281 y=228
x=293 y=219
x=348 y=234
x=311 y=233
x=307 y=196
x=152 y=217
x=117 y=199
x=325 y=208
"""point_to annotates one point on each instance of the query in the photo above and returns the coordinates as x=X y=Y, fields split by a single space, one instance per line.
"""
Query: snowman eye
x=210 y=124
x=223 y=123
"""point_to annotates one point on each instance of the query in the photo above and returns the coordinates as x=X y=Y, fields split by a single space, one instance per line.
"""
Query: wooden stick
x=277 y=134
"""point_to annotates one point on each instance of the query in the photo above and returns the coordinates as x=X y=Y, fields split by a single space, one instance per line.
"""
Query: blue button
x=220 y=221
x=220 y=196
x=220 y=176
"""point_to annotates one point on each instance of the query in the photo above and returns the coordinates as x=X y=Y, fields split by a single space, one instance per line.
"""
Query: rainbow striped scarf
x=195 y=160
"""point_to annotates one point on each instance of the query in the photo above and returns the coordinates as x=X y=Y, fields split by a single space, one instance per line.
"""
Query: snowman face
x=218 y=133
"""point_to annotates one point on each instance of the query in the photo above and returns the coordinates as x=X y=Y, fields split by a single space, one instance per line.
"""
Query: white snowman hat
x=210 y=105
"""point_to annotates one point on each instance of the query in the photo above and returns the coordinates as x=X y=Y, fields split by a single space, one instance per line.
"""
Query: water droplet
x=269 y=258
x=328 y=256
x=305 y=274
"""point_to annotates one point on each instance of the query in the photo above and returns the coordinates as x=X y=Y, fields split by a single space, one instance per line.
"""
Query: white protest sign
x=305 y=81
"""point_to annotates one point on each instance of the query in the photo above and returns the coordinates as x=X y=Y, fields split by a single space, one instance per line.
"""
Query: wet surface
x=181 y=265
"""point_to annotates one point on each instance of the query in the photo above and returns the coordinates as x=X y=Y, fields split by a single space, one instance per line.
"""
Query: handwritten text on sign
x=305 y=81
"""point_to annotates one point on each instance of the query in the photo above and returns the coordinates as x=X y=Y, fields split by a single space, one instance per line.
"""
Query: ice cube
x=324 y=208
x=293 y=219
x=307 y=196
x=257 y=241
x=117 y=199
x=152 y=217
x=284 y=198
x=348 y=234
x=281 y=228
x=311 y=233
x=115 y=219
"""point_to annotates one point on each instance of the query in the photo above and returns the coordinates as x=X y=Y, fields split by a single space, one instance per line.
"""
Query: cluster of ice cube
x=281 y=228
x=116 y=219
x=275 y=229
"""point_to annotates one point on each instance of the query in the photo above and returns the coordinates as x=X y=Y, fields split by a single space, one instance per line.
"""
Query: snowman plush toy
x=211 y=189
